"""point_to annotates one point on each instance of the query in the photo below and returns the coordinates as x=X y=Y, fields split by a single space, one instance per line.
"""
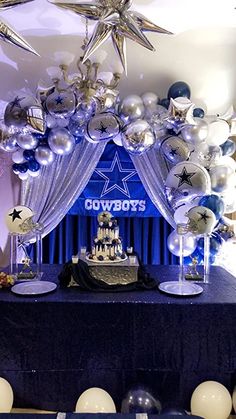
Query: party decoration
x=201 y=220
x=7 y=34
x=95 y=400
x=180 y=113
x=195 y=133
x=173 y=411
x=179 y=89
x=214 y=203
x=115 y=21
x=61 y=141
x=218 y=132
x=6 y=396
x=140 y=400
x=44 y=155
x=137 y=137
x=6 y=280
x=211 y=400
x=16 y=216
x=173 y=244
x=131 y=108
x=175 y=150
x=103 y=126
x=234 y=399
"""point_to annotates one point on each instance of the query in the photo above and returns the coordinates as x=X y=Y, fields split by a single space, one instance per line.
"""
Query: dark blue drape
x=147 y=236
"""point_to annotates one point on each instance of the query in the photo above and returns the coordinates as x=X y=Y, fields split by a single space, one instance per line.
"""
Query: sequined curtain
x=152 y=170
x=53 y=193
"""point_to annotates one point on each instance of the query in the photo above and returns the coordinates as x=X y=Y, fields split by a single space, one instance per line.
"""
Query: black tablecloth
x=53 y=347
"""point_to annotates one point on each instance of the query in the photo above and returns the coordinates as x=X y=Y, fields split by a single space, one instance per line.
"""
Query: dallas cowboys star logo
x=173 y=152
x=102 y=129
x=15 y=214
x=16 y=102
x=204 y=217
x=185 y=177
x=59 y=100
x=114 y=172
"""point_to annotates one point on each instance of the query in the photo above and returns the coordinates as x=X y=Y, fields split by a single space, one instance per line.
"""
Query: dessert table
x=55 y=346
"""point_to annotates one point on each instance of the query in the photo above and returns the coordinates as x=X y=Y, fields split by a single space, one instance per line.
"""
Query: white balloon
x=118 y=140
x=95 y=400
x=6 y=396
x=34 y=174
x=149 y=99
x=23 y=176
x=16 y=216
x=218 y=132
x=225 y=161
x=201 y=220
x=173 y=243
x=234 y=399
x=211 y=400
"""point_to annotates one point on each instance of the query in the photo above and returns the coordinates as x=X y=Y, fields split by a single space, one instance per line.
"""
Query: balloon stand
x=206 y=258
x=181 y=287
x=20 y=265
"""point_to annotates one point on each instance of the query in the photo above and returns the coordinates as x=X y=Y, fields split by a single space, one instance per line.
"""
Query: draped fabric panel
x=146 y=235
x=53 y=193
x=153 y=170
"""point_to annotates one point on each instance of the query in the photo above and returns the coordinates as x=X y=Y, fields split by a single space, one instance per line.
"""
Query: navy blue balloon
x=179 y=89
x=198 y=113
x=165 y=102
x=228 y=148
x=23 y=167
x=15 y=168
x=215 y=245
x=28 y=154
x=34 y=166
x=214 y=203
x=173 y=411
x=139 y=400
x=78 y=139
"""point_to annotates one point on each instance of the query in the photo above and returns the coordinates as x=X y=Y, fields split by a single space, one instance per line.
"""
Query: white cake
x=107 y=246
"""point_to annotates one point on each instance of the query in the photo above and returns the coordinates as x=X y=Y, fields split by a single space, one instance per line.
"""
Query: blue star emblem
x=59 y=100
x=114 y=172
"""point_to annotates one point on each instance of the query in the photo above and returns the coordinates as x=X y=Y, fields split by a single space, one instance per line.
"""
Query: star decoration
x=15 y=214
x=184 y=177
x=16 y=102
x=7 y=34
x=173 y=152
x=59 y=100
x=103 y=129
x=110 y=184
x=204 y=217
x=115 y=21
x=180 y=113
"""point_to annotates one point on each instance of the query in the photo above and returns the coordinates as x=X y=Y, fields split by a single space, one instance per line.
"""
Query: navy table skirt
x=54 y=347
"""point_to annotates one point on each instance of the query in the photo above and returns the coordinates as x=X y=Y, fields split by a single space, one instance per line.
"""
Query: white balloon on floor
x=234 y=399
x=211 y=400
x=6 y=396
x=95 y=400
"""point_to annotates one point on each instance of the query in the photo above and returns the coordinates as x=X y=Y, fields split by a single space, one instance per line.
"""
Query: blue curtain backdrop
x=147 y=236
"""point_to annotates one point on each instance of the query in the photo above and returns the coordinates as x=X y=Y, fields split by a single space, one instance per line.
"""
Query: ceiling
x=201 y=51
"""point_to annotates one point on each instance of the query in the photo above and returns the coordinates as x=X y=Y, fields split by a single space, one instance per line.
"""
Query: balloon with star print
x=201 y=220
x=103 y=126
x=61 y=104
x=175 y=149
x=16 y=216
x=189 y=180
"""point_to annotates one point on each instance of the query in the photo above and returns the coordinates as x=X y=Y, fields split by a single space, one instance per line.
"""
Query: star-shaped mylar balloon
x=180 y=113
x=115 y=20
x=7 y=34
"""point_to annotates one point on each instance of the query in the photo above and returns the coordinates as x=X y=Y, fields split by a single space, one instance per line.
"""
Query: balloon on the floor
x=173 y=411
x=6 y=396
x=95 y=400
x=211 y=400
x=234 y=399
x=139 y=400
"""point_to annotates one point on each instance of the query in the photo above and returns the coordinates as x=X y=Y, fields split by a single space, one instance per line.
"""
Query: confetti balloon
x=103 y=126
x=61 y=141
x=137 y=137
x=16 y=216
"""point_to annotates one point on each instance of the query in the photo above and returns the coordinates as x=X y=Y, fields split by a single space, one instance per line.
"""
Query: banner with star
x=115 y=187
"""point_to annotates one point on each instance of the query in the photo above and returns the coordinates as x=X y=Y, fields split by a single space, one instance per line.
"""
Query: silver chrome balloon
x=149 y=99
x=195 y=133
x=36 y=119
x=15 y=116
x=137 y=137
x=61 y=104
x=44 y=155
x=103 y=126
x=26 y=141
x=131 y=108
x=61 y=141
x=222 y=178
x=175 y=149
x=173 y=243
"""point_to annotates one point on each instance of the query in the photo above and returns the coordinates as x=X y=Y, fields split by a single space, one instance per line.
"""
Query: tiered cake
x=107 y=246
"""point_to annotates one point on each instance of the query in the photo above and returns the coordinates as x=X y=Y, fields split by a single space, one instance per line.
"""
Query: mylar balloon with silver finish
x=7 y=139
x=205 y=155
x=103 y=126
x=16 y=216
x=131 y=108
x=195 y=133
x=137 y=137
x=149 y=99
x=44 y=155
x=15 y=116
x=175 y=149
x=61 y=141
x=222 y=178
x=61 y=104
x=201 y=220
x=85 y=109
x=190 y=179
x=173 y=243
x=36 y=119
x=26 y=141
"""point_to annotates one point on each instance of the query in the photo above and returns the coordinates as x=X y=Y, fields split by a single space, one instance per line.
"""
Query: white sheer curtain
x=152 y=170
x=53 y=193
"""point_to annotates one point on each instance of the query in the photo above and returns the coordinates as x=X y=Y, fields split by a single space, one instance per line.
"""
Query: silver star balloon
x=7 y=34
x=115 y=20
